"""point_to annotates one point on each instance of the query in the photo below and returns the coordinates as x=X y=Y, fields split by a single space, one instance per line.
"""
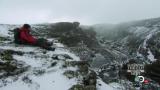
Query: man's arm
x=29 y=38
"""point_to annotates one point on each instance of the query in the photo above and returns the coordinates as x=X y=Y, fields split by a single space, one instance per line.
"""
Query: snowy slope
x=42 y=74
x=53 y=78
x=149 y=36
x=3 y=31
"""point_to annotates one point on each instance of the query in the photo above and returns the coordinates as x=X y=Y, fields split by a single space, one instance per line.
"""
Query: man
x=25 y=35
x=26 y=38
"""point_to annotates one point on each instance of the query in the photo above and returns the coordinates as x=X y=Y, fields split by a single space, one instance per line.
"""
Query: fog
x=85 y=11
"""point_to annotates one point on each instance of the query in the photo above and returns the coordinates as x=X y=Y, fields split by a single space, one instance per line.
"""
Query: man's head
x=27 y=26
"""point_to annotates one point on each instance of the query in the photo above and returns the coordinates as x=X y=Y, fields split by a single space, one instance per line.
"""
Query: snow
x=64 y=51
x=52 y=78
x=103 y=86
x=19 y=85
x=146 y=33
x=59 y=44
x=151 y=56
x=4 y=30
x=139 y=55
x=23 y=48
x=117 y=86
x=54 y=81
x=151 y=33
x=140 y=30
x=146 y=39
x=28 y=60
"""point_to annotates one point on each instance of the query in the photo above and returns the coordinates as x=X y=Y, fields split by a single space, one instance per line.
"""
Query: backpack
x=17 y=36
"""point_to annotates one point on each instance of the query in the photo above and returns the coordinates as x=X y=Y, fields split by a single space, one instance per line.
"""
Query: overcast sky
x=85 y=11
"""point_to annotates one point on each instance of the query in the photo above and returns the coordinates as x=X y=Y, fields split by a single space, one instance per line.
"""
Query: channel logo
x=139 y=79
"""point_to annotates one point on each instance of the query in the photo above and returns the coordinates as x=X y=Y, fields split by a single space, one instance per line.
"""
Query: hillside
x=32 y=68
x=137 y=40
x=86 y=57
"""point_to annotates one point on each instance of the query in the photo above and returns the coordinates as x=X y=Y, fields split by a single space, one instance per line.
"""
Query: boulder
x=70 y=74
x=77 y=87
x=90 y=79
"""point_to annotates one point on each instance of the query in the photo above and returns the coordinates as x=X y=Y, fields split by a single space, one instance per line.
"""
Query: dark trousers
x=41 y=42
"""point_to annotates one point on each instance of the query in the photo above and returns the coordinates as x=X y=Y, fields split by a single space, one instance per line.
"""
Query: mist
x=84 y=11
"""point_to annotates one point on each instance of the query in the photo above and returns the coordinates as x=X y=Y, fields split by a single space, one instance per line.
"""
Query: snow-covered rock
x=44 y=72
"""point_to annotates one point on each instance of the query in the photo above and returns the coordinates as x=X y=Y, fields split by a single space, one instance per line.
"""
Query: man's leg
x=45 y=44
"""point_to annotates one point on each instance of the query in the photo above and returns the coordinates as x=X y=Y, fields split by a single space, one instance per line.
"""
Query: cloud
x=85 y=11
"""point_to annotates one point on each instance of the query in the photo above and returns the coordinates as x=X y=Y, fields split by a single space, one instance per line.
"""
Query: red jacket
x=25 y=36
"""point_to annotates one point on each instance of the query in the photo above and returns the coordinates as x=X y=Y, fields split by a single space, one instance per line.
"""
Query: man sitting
x=24 y=37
